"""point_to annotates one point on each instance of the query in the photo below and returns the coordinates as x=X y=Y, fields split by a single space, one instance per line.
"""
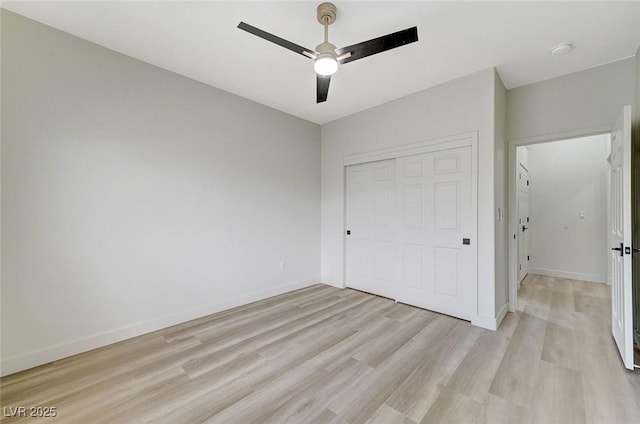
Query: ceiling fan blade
x=379 y=45
x=277 y=40
x=322 y=87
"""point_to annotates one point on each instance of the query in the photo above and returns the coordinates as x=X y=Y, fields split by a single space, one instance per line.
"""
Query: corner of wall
x=500 y=193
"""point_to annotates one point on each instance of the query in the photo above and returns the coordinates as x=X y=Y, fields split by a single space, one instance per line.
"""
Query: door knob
x=524 y=228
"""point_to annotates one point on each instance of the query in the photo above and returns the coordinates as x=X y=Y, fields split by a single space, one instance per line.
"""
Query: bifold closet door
x=437 y=265
x=370 y=224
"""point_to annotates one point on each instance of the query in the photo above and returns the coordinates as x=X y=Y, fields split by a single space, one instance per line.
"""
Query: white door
x=523 y=222
x=437 y=250
x=370 y=198
x=620 y=236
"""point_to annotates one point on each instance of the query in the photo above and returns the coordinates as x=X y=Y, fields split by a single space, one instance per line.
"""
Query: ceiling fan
x=326 y=56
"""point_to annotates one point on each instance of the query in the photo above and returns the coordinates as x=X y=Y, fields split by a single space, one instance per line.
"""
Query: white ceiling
x=200 y=40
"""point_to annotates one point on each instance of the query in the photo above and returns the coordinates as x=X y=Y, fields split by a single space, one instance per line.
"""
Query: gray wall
x=568 y=177
x=134 y=198
x=580 y=101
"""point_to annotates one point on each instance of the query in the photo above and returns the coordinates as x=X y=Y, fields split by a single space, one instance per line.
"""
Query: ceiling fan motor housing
x=326 y=13
x=326 y=47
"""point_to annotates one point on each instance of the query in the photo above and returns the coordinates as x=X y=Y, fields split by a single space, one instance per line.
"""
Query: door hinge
x=348 y=232
x=520 y=267
x=528 y=258
x=527 y=182
x=527 y=219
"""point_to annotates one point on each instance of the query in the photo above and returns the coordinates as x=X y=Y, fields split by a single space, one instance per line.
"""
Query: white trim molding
x=451 y=142
x=512 y=218
x=594 y=278
x=491 y=323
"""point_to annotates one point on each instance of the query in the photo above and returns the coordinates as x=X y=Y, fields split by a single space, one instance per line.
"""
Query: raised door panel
x=448 y=268
x=446 y=271
x=413 y=256
x=446 y=205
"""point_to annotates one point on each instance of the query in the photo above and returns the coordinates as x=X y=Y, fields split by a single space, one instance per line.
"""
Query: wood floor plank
x=324 y=355
x=387 y=415
x=509 y=324
x=335 y=356
x=359 y=401
x=139 y=397
x=379 y=350
x=474 y=375
x=590 y=304
x=447 y=347
x=562 y=304
x=522 y=358
x=200 y=407
x=538 y=302
x=559 y=396
x=497 y=410
x=561 y=346
x=452 y=408
x=302 y=407
x=271 y=396
x=245 y=311
x=607 y=386
x=326 y=416
x=274 y=337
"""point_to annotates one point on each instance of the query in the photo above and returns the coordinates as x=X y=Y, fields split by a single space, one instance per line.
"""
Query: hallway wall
x=568 y=208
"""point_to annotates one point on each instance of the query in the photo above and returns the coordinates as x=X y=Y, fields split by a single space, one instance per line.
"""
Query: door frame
x=518 y=214
x=512 y=186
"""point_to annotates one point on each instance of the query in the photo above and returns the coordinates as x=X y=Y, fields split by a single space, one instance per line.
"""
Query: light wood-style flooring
x=324 y=355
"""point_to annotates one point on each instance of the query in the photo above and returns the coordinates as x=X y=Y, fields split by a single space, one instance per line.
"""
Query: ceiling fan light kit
x=325 y=64
x=326 y=57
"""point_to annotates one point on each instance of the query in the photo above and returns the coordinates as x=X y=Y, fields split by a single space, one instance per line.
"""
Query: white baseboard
x=64 y=350
x=339 y=285
x=594 y=278
x=502 y=314
x=491 y=323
